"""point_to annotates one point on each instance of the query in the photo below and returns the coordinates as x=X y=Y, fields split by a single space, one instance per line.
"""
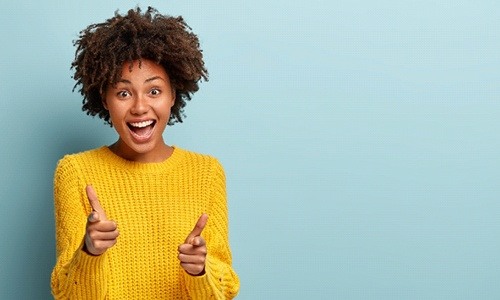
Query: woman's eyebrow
x=124 y=81
x=147 y=80
x=154 y=78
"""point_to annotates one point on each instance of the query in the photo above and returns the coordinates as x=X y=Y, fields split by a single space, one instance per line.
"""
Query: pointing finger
x=94 y=202
x=198 y=228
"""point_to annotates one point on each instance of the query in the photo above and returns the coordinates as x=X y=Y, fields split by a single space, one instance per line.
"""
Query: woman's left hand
x=193 y=253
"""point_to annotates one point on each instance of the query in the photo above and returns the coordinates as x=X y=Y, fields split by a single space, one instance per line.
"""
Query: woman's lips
x=142 y=131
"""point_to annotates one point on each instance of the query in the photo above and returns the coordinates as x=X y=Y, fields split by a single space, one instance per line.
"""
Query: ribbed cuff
x=86 y=277
x=206 y=286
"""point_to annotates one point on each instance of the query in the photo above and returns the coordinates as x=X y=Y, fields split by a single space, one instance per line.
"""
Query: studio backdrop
x=361 y=141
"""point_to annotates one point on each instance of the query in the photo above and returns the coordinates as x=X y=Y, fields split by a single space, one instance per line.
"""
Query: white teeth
x=142 y=124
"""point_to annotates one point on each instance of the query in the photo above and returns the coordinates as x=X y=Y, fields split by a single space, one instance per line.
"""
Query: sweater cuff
x=86 y=271
x=206 y=286
x=91 y=266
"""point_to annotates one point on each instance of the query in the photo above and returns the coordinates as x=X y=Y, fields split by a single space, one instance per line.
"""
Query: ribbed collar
x=140 y=167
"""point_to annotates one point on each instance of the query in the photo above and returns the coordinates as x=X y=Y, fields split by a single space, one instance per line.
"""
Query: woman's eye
x=123 y=94
x=155 y=92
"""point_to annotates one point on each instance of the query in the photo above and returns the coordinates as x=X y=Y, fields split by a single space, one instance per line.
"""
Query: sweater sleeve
x=220 y=280
x=76 y=275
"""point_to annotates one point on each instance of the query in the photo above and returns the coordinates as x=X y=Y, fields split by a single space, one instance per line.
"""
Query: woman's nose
x=140 y=106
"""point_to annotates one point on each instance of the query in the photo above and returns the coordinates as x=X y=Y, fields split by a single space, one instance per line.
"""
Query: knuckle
x=92 y=235
x=97 y=245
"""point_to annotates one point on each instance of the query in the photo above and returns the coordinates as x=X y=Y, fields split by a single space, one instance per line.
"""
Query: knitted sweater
x=155 y=205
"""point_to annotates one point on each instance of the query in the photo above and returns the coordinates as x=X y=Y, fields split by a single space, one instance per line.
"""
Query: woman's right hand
x=101 y=233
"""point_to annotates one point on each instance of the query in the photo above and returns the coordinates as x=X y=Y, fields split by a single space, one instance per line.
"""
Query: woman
x=125 y=212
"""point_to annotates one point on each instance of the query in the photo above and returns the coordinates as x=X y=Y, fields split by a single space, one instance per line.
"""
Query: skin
x=143 y=94
x=193 y=253
x=101 y=233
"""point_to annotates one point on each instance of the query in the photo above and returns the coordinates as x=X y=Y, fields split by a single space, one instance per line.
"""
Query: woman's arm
x=219 y=281
x=76 y=275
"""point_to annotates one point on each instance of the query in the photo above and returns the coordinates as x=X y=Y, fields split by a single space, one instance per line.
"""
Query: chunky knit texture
x=155 y=205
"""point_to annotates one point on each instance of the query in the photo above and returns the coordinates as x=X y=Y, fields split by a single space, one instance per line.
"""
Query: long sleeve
x=76 y=275
x=219 y=281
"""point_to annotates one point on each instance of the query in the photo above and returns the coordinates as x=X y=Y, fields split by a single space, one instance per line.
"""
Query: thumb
x=94 y=217
x=198 y=228
x=95 y=204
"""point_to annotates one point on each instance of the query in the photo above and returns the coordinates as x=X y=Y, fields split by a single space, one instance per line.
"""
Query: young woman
x=140 y=219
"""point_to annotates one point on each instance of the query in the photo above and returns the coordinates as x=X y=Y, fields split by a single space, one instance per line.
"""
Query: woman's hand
x=101 y=233
x=193 y=253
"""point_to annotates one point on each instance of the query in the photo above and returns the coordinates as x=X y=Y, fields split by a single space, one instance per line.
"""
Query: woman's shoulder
x=86 y=156
x=71 y=166
x=85 y=153
x=197 y=158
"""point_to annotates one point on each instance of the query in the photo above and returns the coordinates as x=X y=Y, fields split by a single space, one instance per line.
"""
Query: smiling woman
x=103 y=49
x=139 y=107
x=136 y=72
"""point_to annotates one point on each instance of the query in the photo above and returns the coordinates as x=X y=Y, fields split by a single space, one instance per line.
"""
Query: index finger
x=198 y=228
x=94 y=202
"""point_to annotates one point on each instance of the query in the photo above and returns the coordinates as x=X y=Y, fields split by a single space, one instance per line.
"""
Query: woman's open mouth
x=142 y=131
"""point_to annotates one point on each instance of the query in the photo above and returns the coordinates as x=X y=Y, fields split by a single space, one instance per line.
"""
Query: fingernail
x=94 y=216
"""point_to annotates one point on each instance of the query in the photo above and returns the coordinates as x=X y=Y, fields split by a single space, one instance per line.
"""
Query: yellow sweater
x=155 y=206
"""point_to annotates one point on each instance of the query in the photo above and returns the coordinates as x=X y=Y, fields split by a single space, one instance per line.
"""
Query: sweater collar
x=133 y=166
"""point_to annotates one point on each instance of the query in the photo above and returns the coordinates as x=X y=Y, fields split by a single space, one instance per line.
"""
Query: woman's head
x=104 y=48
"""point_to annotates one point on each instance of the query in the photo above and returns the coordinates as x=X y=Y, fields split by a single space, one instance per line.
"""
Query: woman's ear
x=104 y=103
x=173 y=97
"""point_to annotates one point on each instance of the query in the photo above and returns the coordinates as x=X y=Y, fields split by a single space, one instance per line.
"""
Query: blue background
x=360 y=141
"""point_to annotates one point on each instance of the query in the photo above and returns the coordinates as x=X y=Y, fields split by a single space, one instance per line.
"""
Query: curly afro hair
x=103 y=48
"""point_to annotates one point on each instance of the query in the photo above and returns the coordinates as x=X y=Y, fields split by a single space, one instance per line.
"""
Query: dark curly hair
x=103 y=48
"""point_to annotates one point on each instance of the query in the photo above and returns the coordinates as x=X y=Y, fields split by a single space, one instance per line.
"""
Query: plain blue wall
x=360 y=140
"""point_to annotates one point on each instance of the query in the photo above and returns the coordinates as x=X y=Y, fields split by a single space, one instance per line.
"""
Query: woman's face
x=139 y=106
